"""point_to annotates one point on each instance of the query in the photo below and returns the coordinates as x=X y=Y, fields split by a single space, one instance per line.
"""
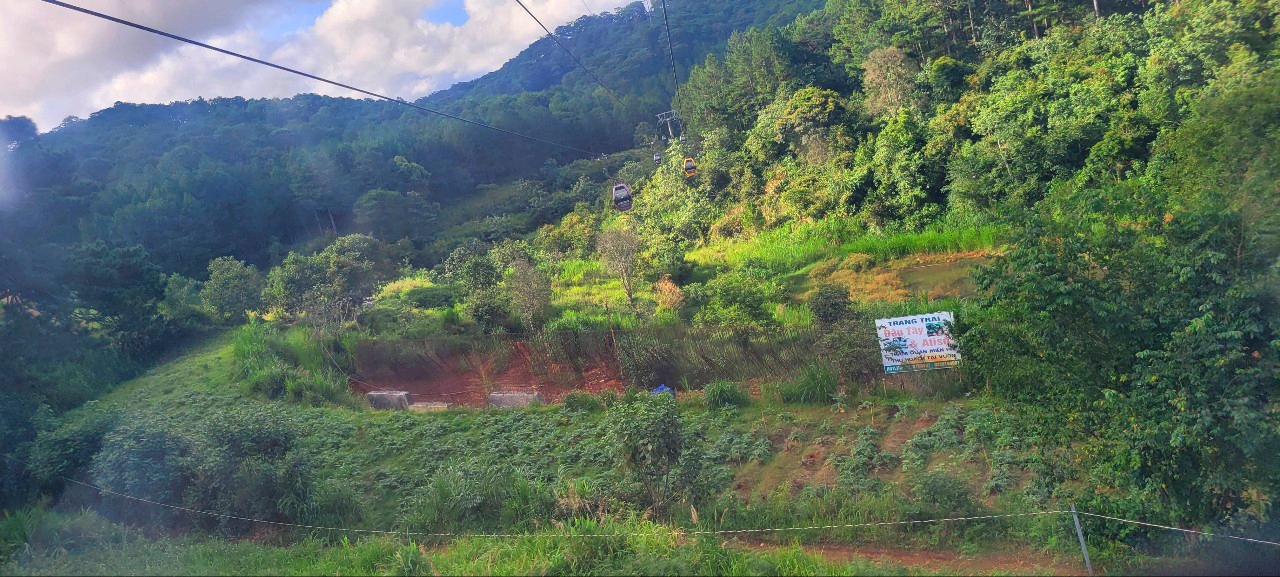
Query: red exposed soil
x=900 y=432
x=987 y=562
x=445 y=380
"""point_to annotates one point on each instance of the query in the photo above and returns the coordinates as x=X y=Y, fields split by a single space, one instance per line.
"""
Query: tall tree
x=233 y=288
x=118 y=289
x=620 y=249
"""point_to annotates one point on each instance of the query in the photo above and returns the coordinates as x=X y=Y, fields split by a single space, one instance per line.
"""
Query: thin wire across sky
x=317 y=78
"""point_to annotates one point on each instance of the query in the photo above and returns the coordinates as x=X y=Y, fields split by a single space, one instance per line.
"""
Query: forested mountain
x=238 y=175
x=627 y=49
x=1111 y=163
x=96 y=209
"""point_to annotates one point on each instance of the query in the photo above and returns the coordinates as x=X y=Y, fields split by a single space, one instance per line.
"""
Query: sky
x=57 y=63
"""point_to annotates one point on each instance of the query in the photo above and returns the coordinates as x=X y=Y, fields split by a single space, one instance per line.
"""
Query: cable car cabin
x=657 y=158
x=690 y=167
x=621 y=196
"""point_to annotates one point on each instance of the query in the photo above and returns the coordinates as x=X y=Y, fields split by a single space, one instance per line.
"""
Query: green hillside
x=196 y=298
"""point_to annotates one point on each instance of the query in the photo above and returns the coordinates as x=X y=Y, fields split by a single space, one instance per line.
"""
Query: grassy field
x=85 y=544
x=794 y=247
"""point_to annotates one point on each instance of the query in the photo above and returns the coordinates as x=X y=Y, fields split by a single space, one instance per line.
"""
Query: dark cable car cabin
x=690 y=167
x=622 y=196
x=657 y=158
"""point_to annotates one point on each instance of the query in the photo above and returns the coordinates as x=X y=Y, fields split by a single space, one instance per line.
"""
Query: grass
x=790 y=315
x=577 y=271
x=796 y=246
x=399 y=286
x=781 y=249
x=924 y=242
x=625 y=547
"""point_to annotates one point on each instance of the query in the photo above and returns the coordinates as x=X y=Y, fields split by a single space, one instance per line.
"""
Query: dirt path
x=948 y=562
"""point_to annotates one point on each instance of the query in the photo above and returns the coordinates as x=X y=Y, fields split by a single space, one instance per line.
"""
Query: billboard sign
x=917 y=343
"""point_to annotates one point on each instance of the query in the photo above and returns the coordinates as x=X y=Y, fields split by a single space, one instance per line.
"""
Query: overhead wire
x=313 y=77
x=570 y=52
x=675 y=78
x=1146 y=524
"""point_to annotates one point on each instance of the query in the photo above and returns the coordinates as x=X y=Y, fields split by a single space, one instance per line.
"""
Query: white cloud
x=60 y=62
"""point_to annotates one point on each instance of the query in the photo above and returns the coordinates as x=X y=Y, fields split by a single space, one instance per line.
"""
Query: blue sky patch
x=297 y=16
x=450 y=11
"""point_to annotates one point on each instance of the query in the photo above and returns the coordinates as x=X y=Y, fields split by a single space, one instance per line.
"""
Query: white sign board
x=917 y=343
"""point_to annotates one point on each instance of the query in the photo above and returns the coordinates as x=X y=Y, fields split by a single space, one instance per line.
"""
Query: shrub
x=68 y=450
x=429 y=297
x=648 y=435
x=668 y=294
x=233 y=288
x=463 y=498
x=269 y=379
x=851 y=347
x=724 y=394
x=17 y=529
x=144 y=456
x=942 y=494
x=581 y=401
x=830 y=303
x=250 y=465
x=490 y=310
x=816 y=384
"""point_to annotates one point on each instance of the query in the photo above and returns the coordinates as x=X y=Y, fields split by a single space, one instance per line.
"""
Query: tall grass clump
x=934 y=240
x=581 y=401
x=578 y=271
x=290 y=366
x=17 y=528
x=793 y=316
x=306 y=350
x=721 y=394
x=815 y=385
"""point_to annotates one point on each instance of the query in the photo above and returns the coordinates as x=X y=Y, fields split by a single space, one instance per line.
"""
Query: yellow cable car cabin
x=690 y=167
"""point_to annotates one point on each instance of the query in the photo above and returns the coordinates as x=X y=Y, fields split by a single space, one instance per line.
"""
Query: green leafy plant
x=720 y=394
x=816 y=384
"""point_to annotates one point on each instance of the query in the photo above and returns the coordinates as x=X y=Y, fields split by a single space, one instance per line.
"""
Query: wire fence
x=678 y=530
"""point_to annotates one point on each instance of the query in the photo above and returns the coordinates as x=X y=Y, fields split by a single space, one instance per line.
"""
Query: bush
x=250 y=465
x=144 y=456
x=941 y=494
x=815 y=385
x=460 y=499
x=852 y=348
x=648 y=435
x=17 y=529
x=830 y=303
x=581 y=401
x=429 y=297
x=724 y=394
x=269 y=361
x=68 y=450
x=490 y=309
